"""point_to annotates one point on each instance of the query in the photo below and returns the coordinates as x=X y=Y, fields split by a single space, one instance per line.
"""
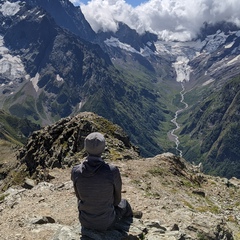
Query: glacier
x=11 y=67
x=9 y=8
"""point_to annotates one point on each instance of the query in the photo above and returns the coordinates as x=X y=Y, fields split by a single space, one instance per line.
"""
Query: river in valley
x=182 y=75
x=173 y=136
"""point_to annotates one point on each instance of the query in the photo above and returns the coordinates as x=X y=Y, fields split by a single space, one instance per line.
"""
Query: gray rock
x=29 y=183
x=67 y=233
x=199 y=192
x=42 y=220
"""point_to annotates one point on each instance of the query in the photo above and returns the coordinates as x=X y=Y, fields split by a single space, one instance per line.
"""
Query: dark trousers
x=123 y=211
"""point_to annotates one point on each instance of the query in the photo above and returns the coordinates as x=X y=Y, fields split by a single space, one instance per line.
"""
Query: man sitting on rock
x=98 y=188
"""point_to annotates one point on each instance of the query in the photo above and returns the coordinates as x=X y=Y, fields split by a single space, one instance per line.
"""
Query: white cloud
x=170 y=19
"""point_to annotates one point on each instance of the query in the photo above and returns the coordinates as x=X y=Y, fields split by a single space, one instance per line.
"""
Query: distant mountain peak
x=67 y=16
x=130 y=36
x=210 y=28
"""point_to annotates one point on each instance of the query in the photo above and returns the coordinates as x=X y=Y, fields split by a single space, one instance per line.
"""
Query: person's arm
x=117 y=186
x=74 y=180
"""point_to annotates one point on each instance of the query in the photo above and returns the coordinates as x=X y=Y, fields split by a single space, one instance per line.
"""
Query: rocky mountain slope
x=53 y=65
x=177 y=200
x=67 y=16
x=215 y=126
x=15 y=130
x=59 y=74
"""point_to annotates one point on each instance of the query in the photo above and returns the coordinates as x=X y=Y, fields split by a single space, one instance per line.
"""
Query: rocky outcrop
x=62 y=144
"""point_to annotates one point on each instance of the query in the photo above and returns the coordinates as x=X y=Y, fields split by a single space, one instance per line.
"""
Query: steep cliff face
x=67 y=16
x=215 y=125
x=56 y=70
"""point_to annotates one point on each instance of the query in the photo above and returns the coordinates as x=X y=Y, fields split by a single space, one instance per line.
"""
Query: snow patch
x=229 y=45
x=9 y=9
x=234 y=60
x=149 y=44
x=114 y=42
x=34 y=81
x=41 y=16
x=238 y=33
x=182 y=69
x=189 y=49
x=3 y=49
x=59 y=79
x=214 y=41
x=39 y=13
x=146 y=52
x=208 y=82
x=80 y=105
x=27 y=77
x=11 y=67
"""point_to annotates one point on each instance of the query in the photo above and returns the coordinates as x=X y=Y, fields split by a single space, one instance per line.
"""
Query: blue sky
x=134 y=3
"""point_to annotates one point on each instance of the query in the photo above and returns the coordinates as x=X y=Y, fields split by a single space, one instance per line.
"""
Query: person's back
x=98 y=188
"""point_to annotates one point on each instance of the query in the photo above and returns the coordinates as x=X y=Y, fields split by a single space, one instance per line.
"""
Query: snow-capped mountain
x=208 y=58
x=46 y=65
x=52 y=65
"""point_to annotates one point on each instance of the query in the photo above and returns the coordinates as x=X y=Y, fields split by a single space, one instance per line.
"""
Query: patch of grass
x=210 y=207
x=187 y=183
x=115 y=155
x=18 y=177
x=201 y=236
x=237 y=204
x=152 y=194
x=232 y=218
x=202 y=209
x=156 y=171
x=237 y=235
x=5 y=143
x=2 y=196
x=149 y=192
x=105 y=124
x=136 y=182
x=15 y=130
x=188 y=204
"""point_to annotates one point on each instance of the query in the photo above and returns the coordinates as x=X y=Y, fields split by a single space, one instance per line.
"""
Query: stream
x=183 y=74
x=174 y=121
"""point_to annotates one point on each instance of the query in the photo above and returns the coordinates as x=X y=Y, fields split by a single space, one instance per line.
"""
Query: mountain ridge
x=48 y=71
x=67 y=16
x=218 y=130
